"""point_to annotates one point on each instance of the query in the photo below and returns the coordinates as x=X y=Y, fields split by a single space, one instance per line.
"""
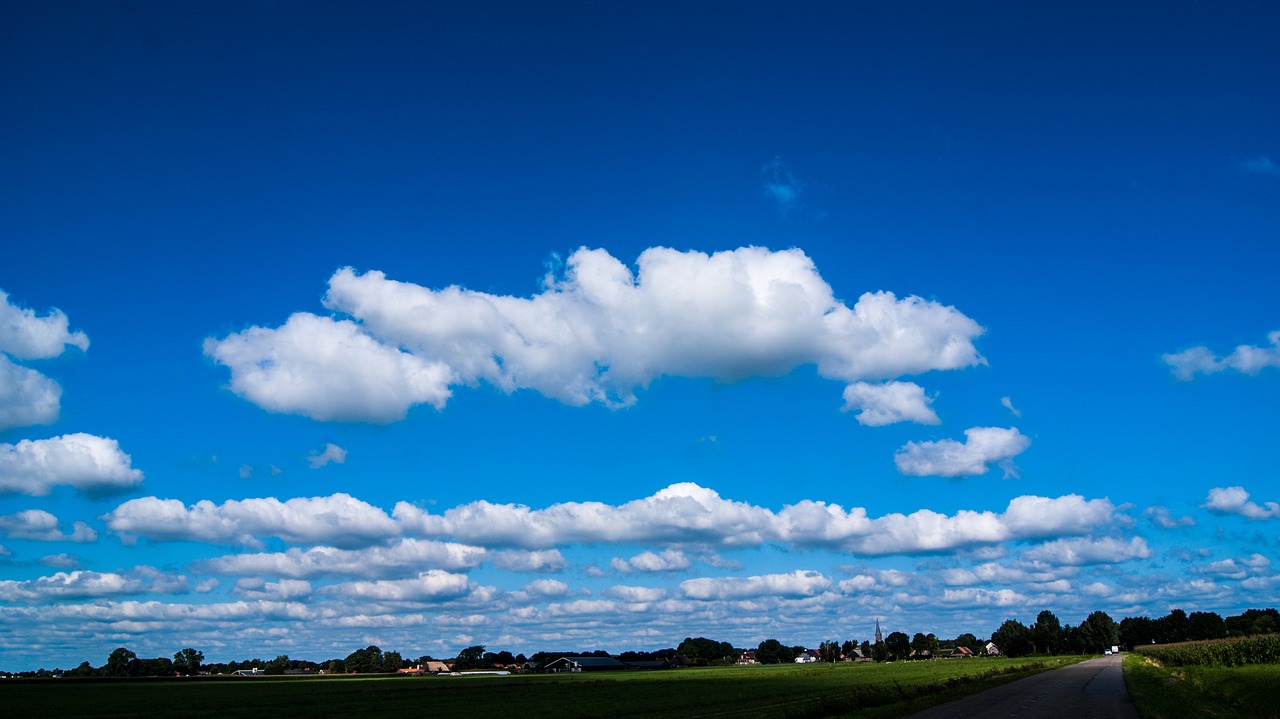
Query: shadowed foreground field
x=797 y=691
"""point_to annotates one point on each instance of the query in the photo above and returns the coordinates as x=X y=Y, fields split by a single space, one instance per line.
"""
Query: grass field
x=881 y=691
x=1244 y=692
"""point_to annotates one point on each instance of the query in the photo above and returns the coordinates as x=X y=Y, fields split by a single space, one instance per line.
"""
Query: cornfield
x=1231 y=652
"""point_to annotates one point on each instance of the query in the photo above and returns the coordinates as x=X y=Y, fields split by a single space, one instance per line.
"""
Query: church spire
x=879 y=638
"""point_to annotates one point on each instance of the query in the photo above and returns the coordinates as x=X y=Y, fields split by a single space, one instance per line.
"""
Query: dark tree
x=898 y=645
x=364 y=661
x=970 y=642
x=772 y=651
x=1100 y=632
x=829 y=651
x=1046 y=633
x=120 y=663
x=924 y=645
x=187 y=661
x=1253 y=621
x=702 y=651
x=1173 y=627
x=1137 y=631
x=848 y=648
x=1013 y=639
x=1205 y=625
x=470 y=658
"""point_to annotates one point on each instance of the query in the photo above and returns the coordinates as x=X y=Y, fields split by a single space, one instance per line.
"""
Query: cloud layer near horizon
x=598 y=334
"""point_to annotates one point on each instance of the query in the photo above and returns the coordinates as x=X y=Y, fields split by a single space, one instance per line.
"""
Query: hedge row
x=1231 y=652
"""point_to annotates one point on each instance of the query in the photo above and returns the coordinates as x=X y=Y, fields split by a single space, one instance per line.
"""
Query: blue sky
x=592 y=325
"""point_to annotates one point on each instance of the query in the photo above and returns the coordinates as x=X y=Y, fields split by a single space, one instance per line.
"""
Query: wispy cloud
x=1260 y=165
x=781 y=186
x=1008 y=404
x=1247 y=359
x=331 y=453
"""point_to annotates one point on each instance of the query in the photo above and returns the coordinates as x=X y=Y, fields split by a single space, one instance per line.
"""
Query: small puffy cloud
x=331 y=453
x=1256 y=561
x=246 y=472
x=1082 y=551
x=982 y=447
x=540 y=560
x=670 y=560
x=548 y=588
x=1008 y=404
x=28 y=336
x=889 y=402
x=283 y=590
x=26 y=396
x=403 y=558
x=1235 y=500
x=62 y=560
x=1246 y=359
x=1163 y=518
x=430 y=586
x=339 y=520
x=328 y=370
x=90 y=464
x=635 y=595
x=39 y=525
x=597 y=334
x=800 y=583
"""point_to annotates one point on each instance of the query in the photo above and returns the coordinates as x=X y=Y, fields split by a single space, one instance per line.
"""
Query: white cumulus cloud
x=87 y=463
x=430 y=586
x=670 y=560
x=1247 y=359
x=1235 y=500
x=401 y=559
x=800 y=583
x=686 y=513
x=889 y=402
x=982 y=447
x=1084 y=551
x=40 y=525
x=27 y=397
x=597 y=334
x=339 y=520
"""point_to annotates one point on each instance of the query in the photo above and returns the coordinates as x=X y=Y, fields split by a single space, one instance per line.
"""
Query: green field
x=1170 y=692
x=796 y=691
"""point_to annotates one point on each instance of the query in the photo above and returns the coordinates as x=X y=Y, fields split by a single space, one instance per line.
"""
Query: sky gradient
x=570 y=326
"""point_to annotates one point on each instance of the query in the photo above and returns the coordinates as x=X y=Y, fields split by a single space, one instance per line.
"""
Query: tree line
x=1047 y=635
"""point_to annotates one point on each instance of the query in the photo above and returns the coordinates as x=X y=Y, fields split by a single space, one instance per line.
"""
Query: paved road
x=1088 y=690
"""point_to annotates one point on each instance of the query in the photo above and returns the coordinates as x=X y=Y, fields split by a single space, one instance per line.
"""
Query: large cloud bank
x=598 y=334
